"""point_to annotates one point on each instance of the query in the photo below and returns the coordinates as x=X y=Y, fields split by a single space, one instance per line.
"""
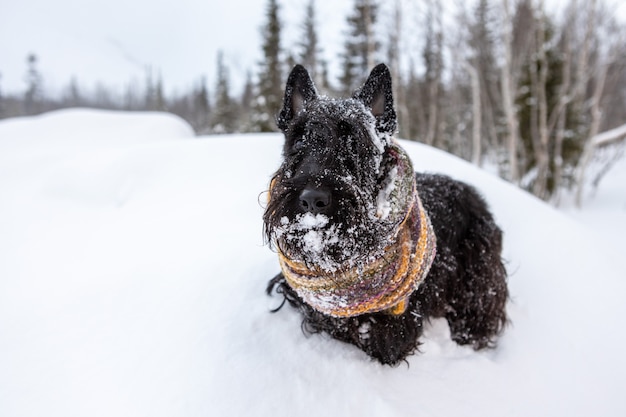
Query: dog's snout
x=315 y=200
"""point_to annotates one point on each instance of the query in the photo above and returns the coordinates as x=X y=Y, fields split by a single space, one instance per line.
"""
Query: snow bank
x=132 y=283
x=86 y=128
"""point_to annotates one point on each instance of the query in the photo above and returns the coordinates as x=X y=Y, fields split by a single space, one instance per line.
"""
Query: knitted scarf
x=385 y=282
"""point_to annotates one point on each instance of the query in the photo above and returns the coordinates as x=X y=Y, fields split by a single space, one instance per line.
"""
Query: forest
x=532 y=93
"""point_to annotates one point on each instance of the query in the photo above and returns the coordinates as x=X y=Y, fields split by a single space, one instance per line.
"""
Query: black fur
x=328 y=148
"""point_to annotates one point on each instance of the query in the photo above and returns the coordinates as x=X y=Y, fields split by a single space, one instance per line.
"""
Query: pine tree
x=310 y=46
x=154 y=97
x=1 y=99
x=72 y=95
x=159 y=96
x=149 y=101
x=245 y=104
x=269 y=100
x=201 y=108
x=360 y=46
x=224 y=118
x=33 y=98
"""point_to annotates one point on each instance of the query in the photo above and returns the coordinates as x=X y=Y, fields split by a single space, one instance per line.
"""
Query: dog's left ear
x=377 y=96
x=299 y=91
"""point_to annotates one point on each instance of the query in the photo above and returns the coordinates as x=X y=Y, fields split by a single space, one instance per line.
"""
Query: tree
x=224 y=117
x=482 y=40
x=603 y=44
x=73 y=96
x=310 y=49
x=1 y=99
x=159 y=96
x=515 y=39
x=270 y=89
x=201 y=108
x=155 y=99
x=33 y=98
x=360 y=46
x=433 y=60
x=393 y=61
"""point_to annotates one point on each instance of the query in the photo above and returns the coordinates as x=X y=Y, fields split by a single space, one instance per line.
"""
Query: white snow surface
x=133 y=274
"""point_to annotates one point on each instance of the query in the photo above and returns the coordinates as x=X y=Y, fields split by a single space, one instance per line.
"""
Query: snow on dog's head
x=343 y=185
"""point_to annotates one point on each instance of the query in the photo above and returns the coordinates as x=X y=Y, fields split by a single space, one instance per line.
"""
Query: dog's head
x=330 y=200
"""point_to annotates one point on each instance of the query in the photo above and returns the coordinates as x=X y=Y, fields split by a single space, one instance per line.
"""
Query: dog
x=369 y=249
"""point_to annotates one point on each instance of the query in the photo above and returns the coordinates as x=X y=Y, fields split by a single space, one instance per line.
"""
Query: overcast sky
x=114 y=41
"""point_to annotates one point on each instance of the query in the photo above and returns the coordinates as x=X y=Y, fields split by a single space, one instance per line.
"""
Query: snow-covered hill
x=132 y=278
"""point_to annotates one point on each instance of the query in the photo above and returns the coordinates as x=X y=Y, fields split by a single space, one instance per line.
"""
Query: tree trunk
x=476 y=115
x=540 y=188
x=596 y=118
x=508 y=96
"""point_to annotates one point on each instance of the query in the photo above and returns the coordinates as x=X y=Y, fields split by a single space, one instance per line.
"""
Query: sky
x=116 y=41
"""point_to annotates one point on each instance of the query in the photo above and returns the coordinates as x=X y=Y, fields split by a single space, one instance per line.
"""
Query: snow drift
x=132 y=278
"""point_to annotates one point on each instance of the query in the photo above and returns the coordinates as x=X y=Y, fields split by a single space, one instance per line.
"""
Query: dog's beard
x=351 y=235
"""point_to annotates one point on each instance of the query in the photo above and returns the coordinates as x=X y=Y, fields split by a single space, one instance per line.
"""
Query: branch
x=609 y=137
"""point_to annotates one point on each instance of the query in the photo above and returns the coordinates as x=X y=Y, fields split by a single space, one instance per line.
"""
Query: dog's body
x=339 y=206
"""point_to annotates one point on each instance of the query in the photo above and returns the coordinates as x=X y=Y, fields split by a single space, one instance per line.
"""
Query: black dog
x=369 y=249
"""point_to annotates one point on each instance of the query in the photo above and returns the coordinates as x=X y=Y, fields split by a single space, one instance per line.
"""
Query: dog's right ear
x=377 y=96
x=299 y=91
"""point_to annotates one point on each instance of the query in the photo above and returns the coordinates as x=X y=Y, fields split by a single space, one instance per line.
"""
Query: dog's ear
x=299 y=91
x=377 y=96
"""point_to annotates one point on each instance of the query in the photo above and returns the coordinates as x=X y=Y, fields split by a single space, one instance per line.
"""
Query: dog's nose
x=315 y=200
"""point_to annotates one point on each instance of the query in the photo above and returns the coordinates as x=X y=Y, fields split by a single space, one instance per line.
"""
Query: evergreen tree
x=72 y=96
x=201 y=108
x=149 y=99
x=1 y=99
x=133 y=97
x=224 y=118
x=159 y=96
x=33 y=98
x=310 y=49
x=360 y=46
x=270 y=90
x=245 y=104
x=155 y=99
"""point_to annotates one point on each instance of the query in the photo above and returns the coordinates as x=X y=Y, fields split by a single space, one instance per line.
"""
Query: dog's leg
x=476 y=313
x=386 y=338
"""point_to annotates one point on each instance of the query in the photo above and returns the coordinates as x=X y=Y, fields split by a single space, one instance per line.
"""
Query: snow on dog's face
x=332 y=202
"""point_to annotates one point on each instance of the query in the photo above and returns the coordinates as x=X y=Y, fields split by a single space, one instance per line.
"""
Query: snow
x=133 y=270
x=383 y=203
x=609 y=136
x=308 y=230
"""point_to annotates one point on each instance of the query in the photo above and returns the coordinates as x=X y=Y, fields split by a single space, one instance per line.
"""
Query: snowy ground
x=132 y=277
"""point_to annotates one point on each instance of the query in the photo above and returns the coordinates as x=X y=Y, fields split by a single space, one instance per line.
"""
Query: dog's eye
x=298 y=143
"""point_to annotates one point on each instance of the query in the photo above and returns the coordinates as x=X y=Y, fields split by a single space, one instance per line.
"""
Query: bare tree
x=607 y=55
x=433 y=60
x=539 y=76
x=509 y=89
